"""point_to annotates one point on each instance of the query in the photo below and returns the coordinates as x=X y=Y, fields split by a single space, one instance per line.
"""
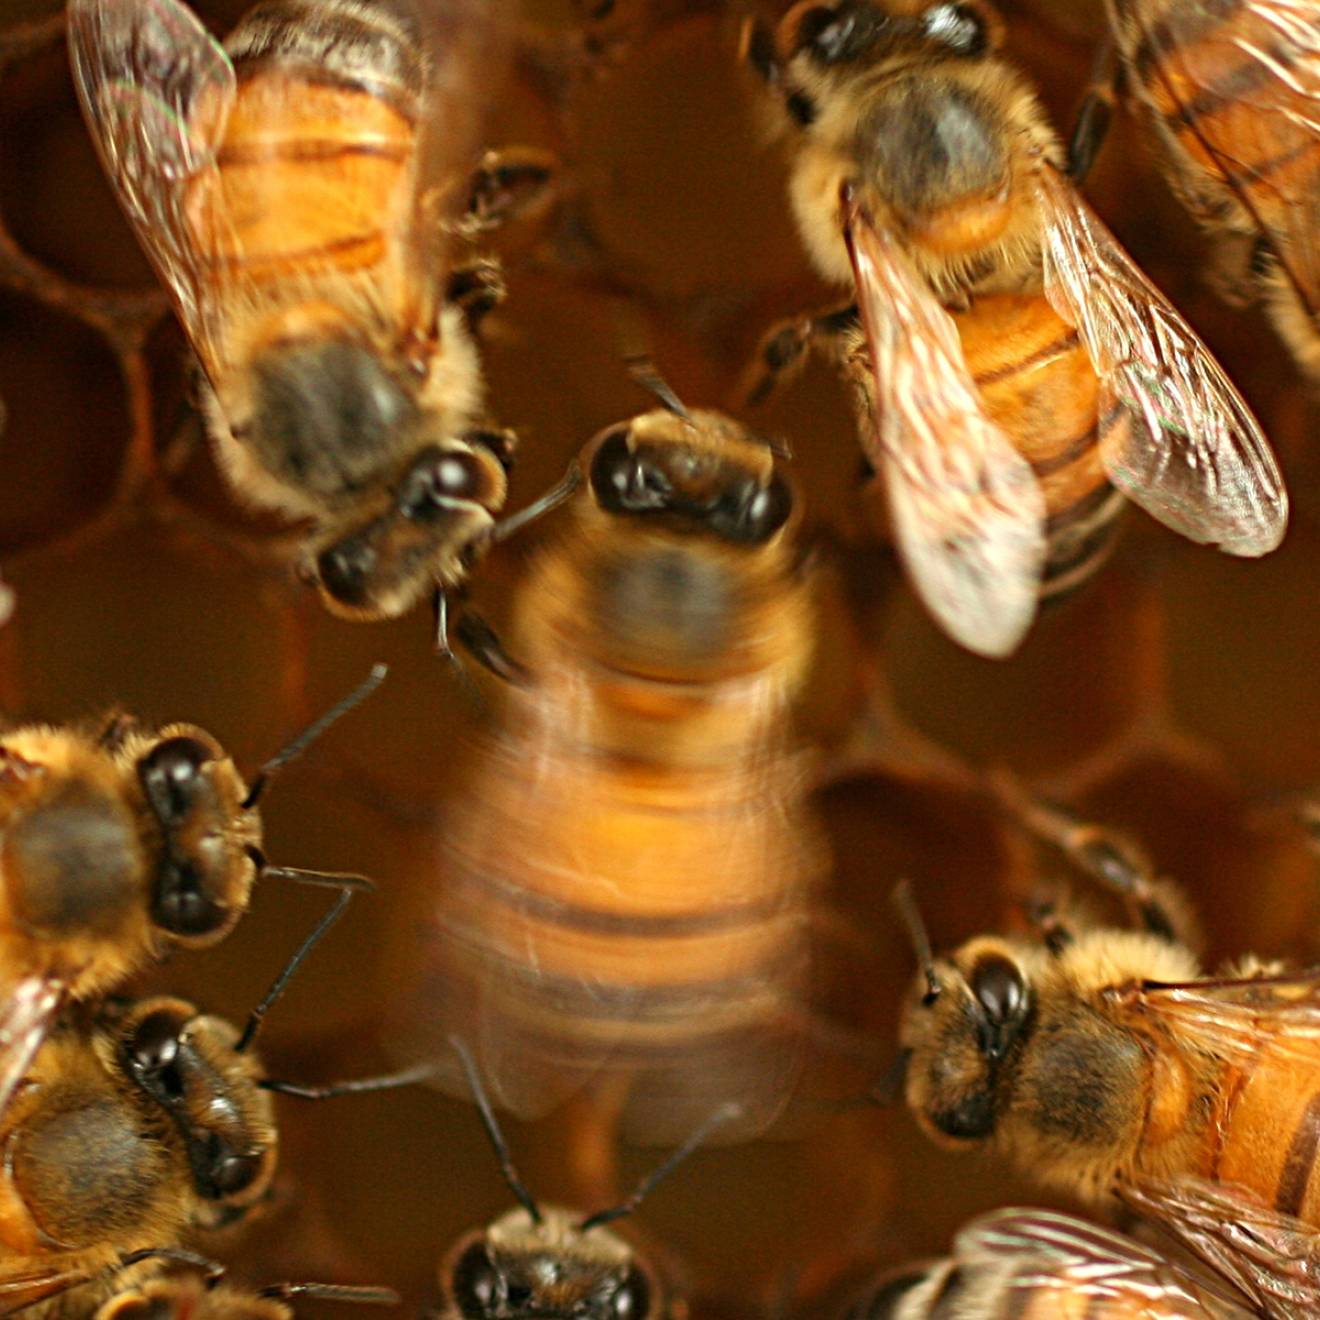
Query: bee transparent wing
x=464 y=43
x=26 y=1015
x=1273 y=1258
x=1037 y=1252
x=1258 y=140
x=968 y=512
x=156 y=91
x=1192 y=454
x=1237 y=1017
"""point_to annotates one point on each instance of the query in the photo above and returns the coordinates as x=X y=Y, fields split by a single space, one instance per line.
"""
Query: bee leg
x=785 y=347
x=1095 y=113
x=116 y=730
x=1054 y=932
x=476 y=289
x=509 y=183
x=483 y=644
x=502 y=444
x=1112 y=859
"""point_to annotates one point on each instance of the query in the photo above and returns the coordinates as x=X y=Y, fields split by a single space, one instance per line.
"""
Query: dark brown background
x=1177 y=696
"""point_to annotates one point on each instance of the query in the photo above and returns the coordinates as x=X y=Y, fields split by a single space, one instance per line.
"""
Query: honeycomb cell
x=66 y=426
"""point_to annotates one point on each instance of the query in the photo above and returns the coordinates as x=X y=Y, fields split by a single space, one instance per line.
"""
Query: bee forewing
x=1193 y=456
x=25 y=1019
x=968 y=511
x=1234 y=1017
x=143 y=69
x=1268 y=55
x=1270 y=1257
x=1044 y=1250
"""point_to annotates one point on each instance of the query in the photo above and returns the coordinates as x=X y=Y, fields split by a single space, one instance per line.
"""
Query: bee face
x=964 y=1037
x=186 y=1064
x=432 y=527
x=521 y=1268
x=661 y=467
x=204 y=870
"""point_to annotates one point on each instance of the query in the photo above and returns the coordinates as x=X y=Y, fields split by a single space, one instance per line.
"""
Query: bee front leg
x=510 y=183
x=1096 y=112
x=476 y=289
x=483 y=644
x=785 y=347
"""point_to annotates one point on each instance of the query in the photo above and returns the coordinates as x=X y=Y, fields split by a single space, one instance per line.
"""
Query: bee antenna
x=910 y=913
x=489 y=1122
x=644 y=371
x=724 y=1114
x=332 y=1292
x=298 y=745
x=348 y=885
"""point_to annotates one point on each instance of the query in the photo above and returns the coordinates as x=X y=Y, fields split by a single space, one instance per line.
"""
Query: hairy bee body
x=1228 y=93
x=139 y=1127
x=626 y=873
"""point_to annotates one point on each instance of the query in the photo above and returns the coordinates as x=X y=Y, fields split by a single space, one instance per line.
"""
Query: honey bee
x=138 y=1125
x=1018 y=1264
x=118 y=847
x=1227 y=93
x=547 y=1260
x=1013 y=361
x=176 y=1296
x=1105 y=1064
x=296 y=191
x=134 y=1129
x=627 y=871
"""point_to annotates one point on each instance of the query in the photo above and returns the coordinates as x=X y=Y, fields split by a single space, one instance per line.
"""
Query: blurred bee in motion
x=1012 y=360
x=1228 y=93
x=117 y=848
x=139 y=1126
x=547 y=1260
x=296 y=191
x=1102 y=1062
x=190 y=1296
x=626 y=874
x=1040 y=1265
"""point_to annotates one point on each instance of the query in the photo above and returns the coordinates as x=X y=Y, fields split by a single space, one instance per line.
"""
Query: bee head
x=198 y=802
x=432 y=523
x=962 y=1024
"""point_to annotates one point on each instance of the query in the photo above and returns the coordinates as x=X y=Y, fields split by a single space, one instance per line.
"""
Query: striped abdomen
x=1242 y=139
x=1265 y=1132
x=1038 y=385
x=316 y=154
x=625 y=879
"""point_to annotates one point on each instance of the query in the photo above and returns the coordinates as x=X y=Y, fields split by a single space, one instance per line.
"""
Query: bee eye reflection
x=475 y=1283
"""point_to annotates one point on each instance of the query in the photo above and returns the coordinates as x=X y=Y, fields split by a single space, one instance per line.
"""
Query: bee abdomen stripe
x=1300 y=1160
x=1005 y=371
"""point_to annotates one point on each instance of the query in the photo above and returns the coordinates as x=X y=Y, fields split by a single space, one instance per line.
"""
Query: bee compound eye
x=1000 y=988
x=475 y=1282
x=181 y=908
x=171 y=775
x=768 y=510
x=345 y=568
x=153 y=1050
x=229 y=1171
x=444 y=475
x=623 y=480
x=632 y=1298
